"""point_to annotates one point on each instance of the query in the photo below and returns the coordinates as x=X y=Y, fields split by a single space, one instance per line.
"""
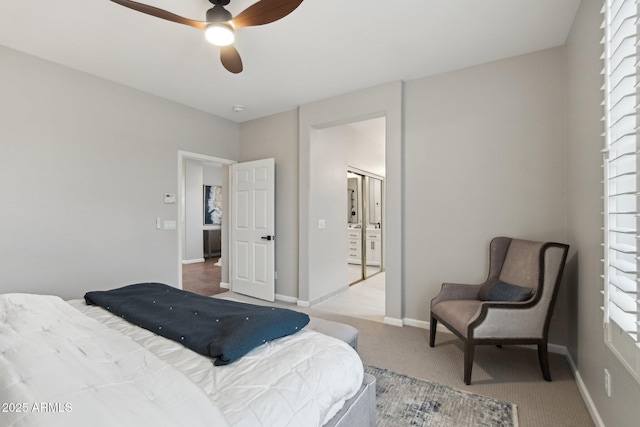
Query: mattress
x=301 y=379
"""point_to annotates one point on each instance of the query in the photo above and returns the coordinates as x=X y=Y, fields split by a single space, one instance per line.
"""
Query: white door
x=252 y=245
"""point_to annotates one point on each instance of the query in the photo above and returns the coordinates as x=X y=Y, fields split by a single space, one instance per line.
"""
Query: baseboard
x=286 y=298
x=586 y=397
x=327 y=296
x=552 y=348
x=415 y=323
x=192 y=261
x=224 y=285
x=393 y=321
x=304 y=304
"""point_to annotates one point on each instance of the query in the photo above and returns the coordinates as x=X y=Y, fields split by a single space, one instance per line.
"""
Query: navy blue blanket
x=226 y=330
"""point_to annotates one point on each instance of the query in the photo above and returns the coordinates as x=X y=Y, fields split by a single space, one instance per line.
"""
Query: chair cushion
x=458 y=313
x=501 y=291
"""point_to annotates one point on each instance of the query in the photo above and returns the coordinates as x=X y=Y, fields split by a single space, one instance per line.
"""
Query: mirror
x=364 y=222
x=374 y=208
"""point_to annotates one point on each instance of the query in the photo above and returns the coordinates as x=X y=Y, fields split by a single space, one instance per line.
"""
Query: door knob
x=268 y=237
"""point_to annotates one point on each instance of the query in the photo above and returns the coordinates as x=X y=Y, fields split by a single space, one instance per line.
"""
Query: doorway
x=202 y=235
x=316 y=282
x=350 y=244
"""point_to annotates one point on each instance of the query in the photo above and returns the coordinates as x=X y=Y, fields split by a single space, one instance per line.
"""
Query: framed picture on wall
x=212 y=205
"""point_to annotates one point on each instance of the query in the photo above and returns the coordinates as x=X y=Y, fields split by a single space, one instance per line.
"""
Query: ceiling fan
x=220 y=25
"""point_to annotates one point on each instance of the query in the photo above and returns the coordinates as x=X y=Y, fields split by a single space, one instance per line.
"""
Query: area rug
x=405 y=401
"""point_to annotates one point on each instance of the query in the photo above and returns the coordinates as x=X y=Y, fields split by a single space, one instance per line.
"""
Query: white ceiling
x=324 y=48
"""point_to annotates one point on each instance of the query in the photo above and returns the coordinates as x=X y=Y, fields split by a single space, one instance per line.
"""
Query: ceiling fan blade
x=159 y=13
x=230 y=59
x=264 y=12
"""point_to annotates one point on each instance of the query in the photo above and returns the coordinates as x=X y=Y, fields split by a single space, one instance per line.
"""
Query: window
x=621 y=182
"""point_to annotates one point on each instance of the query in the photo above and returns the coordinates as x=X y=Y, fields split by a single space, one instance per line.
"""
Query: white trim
x=224 y=285
x=329 y=295
x=364 y=172
x=584 y=392
x=422 y=324
x=416 y=323
x=381 y=101
x=304 y=304
x=285 y=298
x=553 y=348
x=192 y=261
x=393 y=321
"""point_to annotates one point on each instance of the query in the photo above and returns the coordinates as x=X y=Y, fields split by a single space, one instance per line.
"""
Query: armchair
x=513 y=306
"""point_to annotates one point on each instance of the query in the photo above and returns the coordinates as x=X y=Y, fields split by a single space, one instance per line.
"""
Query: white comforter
x=300 y=380
x=60 y=368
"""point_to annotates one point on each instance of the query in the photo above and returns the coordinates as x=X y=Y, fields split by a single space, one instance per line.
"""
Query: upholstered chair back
x=522 y=264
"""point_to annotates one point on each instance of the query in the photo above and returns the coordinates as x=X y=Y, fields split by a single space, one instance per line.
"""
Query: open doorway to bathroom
x=359 y=149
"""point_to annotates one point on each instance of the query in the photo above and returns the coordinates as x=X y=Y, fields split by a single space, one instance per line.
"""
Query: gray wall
x=485 y=157
x=84 y=164
x=584 y=176
x=193 y=211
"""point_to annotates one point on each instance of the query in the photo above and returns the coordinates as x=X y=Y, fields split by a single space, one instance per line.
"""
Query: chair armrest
x=502 y=319
x=456 y=291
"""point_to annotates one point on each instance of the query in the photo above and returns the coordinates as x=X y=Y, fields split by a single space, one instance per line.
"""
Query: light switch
x=322 y=223
x=158 y=224
x=169 y=225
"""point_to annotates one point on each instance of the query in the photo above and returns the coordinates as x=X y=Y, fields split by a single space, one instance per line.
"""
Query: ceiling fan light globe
x=219 y=34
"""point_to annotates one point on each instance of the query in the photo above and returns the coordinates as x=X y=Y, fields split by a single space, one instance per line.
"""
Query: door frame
x=187 y=155
x=381 y=101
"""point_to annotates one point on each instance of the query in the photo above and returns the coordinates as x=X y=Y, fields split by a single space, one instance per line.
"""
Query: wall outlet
x=322 y=224
x=607 y=382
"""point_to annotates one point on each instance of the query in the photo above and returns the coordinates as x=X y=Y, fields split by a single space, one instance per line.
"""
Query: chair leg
x=432 y=331
x=468 y=361
x=543 y=359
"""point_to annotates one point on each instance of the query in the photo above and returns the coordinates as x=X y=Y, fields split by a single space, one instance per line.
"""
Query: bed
x=72 y=364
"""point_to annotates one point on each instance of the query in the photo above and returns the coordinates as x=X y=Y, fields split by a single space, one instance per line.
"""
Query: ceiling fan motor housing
x=218 y=14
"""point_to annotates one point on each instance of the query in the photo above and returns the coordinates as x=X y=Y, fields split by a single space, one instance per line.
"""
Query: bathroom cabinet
x=374 y=247
x=355 y=246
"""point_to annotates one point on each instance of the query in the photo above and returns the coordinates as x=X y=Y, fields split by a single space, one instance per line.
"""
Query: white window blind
x=621 y=181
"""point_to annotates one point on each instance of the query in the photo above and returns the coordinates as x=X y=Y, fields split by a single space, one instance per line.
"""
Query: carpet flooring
x=510 y=374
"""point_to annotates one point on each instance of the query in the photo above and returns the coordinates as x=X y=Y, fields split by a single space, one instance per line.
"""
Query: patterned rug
x=405 y=401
